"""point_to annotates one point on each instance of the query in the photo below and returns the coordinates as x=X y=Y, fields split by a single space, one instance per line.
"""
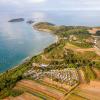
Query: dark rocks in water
x=16 y=20
x=98 y=33
x=30 y=22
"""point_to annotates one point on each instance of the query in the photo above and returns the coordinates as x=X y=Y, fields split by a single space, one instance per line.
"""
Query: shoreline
x=47 y=31
x=30 y=57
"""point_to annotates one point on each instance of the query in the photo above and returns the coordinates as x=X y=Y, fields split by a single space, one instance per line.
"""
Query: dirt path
x=78 y=49
x=44 y=57
x=97 y=50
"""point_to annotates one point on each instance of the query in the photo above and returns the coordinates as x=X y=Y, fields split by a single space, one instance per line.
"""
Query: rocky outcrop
x=16 y=20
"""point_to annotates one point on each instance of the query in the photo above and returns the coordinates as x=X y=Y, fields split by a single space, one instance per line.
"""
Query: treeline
x=9 y=79
x=62 y=30
x=82 y=44
x=69 y=58
x=65 y=32
x=89 y=74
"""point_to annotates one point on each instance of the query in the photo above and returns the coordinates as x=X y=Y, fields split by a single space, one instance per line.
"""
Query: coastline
x=47 y=31
x=28 y=58
x=25 y=70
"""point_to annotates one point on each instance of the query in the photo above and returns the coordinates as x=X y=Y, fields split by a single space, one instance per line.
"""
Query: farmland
x=48 y=86
x=90 y=91
x=41 y=90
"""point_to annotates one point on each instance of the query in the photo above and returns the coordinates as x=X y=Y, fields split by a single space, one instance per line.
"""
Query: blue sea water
x=20 y=40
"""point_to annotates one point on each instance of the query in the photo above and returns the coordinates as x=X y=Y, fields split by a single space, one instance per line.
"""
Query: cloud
x=51 y=4
x=11 y=5
x=39 y=16
x=36 y=1
x=22 y=1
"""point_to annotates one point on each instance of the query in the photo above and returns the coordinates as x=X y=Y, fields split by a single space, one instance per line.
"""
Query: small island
x=16 y=20
x=30 y=22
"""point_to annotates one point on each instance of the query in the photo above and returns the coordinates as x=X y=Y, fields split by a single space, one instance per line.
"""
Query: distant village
x=68 y=76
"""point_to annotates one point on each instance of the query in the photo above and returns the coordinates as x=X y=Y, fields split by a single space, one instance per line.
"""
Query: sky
x=49 y=4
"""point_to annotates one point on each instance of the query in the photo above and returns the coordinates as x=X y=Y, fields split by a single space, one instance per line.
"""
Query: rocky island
x=30 y=22
x=16 y=20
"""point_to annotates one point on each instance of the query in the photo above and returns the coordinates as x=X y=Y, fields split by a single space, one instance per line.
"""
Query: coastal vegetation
x=44 y=25
x=9 y=78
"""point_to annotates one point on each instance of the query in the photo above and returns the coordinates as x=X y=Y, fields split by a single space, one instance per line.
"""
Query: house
x=43 y=65
x=95 y=41
x=35 y=64
x=72 y=38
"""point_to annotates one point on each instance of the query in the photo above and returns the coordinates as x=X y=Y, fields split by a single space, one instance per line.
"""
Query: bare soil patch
x=24 y=96
x=91 y=90
x=58 y=84
x=97 y=73
x=93 y=30
x=43 y=89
